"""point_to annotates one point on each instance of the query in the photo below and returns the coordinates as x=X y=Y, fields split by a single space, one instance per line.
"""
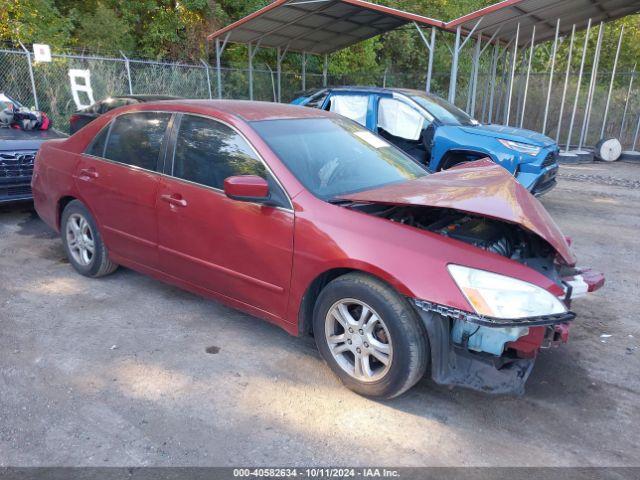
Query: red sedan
x=309 y=221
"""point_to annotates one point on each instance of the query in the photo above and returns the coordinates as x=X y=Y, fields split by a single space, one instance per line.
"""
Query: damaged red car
x=309 y=221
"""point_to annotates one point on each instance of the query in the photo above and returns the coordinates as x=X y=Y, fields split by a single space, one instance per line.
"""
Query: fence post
x=206 y=69
x=31 y=77
x=126 y=65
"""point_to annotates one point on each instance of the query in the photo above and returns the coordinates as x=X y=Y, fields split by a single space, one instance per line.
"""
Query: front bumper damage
x=495 y=355
x=456 y=361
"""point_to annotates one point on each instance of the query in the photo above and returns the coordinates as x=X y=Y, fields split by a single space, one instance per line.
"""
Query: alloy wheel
x=358 y=340
x=80 y=239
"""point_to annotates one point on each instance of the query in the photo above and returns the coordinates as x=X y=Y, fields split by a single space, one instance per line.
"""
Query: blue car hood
x=510 y=133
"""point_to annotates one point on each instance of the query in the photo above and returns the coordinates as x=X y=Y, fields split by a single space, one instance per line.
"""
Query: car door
x=118 y=179
x=405 y=127
x=240 y=250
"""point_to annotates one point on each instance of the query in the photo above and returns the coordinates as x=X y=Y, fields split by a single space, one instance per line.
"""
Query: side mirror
x=247 y=188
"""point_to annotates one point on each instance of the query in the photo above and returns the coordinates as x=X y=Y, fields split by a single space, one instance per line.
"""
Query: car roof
x=367 y=89
x=250 y=111
x=147 y=98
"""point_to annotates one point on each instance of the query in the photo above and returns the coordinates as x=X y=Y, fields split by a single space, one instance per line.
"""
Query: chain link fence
x=121 y=76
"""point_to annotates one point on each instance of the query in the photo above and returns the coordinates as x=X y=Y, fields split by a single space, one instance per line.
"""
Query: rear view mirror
x=247 y=188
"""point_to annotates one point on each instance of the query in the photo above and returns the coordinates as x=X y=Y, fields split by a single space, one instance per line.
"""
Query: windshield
x=332 y=157
x=443 y=111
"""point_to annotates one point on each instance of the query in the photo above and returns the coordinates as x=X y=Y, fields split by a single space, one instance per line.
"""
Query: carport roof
x=543 y=14
x=317 y=26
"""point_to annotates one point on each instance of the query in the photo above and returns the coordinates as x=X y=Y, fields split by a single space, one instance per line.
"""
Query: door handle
x=89 y=172
x=176 y=200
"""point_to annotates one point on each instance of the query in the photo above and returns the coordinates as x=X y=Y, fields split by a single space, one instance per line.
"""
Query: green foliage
x=103 y=30
x=29 y=21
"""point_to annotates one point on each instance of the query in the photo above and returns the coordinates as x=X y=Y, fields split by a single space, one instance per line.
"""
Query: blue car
x=440 y=135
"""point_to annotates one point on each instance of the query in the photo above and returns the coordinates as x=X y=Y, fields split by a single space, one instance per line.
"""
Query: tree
x=30 y=21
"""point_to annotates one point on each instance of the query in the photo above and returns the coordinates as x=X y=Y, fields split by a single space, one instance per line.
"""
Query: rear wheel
x=370 y=336
x=82 y=242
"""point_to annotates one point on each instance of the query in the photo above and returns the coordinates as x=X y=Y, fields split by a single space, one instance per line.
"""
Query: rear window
x=96 y=148
x=136 y=139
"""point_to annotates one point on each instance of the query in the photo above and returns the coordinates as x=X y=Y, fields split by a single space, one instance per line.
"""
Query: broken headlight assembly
x=500 y=297
x=520 y=147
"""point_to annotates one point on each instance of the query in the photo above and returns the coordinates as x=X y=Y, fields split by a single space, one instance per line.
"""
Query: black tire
x=99 y=264
x=410 y=352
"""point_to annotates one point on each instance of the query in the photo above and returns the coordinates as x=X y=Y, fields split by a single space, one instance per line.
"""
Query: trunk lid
x=482 y=188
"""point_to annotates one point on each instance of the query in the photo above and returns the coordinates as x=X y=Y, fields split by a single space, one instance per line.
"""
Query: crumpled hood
x=482 y=188
x=510 y=133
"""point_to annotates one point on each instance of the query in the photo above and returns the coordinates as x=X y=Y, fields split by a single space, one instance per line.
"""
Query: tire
x=79 y=229
x=399 y=331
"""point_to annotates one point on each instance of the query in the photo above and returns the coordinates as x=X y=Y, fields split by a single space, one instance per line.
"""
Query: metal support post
x=456 y=54
x=635 y=137
x=584 y=134
x=492 y=79
x=430 y=47
x=513 y=71
x=219 y=50
x=575 y=101
x=253 y=49
x=566 y=83
x=550 y=86
x=304 y=71
x=474 y=78
x=280 y=56
x=432 y=52
x=613 y=76
x=532 y=50
x=325 y=70
x=626 y=102
x=454 y=68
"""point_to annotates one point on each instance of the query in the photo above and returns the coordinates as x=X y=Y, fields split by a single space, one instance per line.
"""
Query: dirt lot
x=115 y=372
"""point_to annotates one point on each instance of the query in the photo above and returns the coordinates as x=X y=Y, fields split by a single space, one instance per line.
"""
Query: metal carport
x=316 y=27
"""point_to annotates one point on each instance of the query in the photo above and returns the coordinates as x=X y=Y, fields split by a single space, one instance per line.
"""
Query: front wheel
x=82 y=242
x=370 y=336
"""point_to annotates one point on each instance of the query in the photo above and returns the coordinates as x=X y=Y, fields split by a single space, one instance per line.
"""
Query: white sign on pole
x=41 y=52
x=81 y=82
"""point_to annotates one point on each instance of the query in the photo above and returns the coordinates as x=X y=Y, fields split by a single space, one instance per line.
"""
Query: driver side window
x=400 y=120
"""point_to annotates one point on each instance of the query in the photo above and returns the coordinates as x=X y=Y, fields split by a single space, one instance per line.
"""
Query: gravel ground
x=116 y=371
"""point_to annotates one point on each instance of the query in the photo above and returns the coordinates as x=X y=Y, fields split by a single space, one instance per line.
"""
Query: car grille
x=18 y=192
x=17 y=164
x=546 y=182
x=550 y=159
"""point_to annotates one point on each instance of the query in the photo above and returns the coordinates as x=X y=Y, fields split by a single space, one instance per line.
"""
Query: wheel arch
x=62 y=204
x=308 y=302
x=454 y=153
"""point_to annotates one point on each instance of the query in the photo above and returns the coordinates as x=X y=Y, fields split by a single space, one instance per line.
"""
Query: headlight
x=520 y=147
x=497 y=296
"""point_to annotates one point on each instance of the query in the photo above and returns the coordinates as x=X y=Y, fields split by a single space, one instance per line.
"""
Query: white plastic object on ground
x=608 y=150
